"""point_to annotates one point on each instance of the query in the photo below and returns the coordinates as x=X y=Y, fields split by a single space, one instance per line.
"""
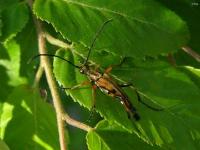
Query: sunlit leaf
x=112 y=137
x=13 y=64
x=30 y=116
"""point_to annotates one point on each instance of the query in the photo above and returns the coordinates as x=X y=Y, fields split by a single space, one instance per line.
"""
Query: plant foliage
x=149 y=34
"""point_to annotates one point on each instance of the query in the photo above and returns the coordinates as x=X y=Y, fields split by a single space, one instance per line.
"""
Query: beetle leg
x=92 y=110
x=76 y=86
x=148 y=106
x=109 y=69
x=139 y=97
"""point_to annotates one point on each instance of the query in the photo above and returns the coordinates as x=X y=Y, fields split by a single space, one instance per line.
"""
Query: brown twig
x=76 y=123
x=52 y=85
x=60 y=114
x=192 y=53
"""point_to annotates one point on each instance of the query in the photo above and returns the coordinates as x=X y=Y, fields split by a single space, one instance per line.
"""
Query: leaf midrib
x=117 y=13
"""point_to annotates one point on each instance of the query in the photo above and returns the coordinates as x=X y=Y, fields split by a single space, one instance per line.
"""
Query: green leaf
x=14 y=18
x=193 y=73
x=7 y=3
x=112 y=137
x=26 y=113
x=190 y=17
x=138 y=28
x=13 y=64
x=160 y=86
x=27 y=40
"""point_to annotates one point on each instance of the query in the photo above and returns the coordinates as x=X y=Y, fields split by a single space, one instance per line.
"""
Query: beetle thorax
x=84 y=69
x=94 y=75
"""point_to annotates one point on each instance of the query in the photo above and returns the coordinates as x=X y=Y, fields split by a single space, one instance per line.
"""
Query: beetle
x=104 y=81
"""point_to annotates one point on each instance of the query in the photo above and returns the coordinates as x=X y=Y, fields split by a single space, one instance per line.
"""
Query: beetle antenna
x=95 y=38
x=51 y=55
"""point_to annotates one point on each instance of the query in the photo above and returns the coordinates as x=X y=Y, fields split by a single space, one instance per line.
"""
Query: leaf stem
x=56 y=42
x=52 y=85
x=192 y=53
